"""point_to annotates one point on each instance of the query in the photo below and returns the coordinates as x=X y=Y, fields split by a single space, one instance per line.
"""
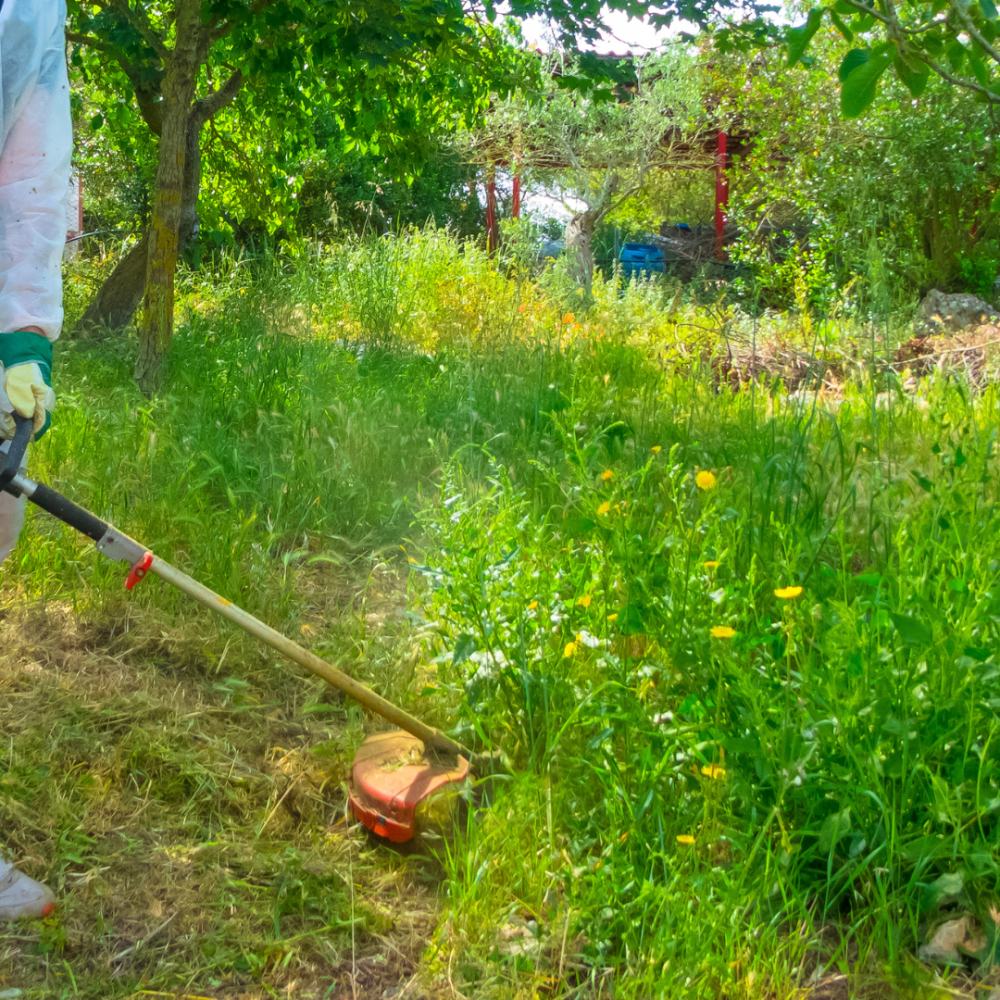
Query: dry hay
x=972 y=356
x=169 y=783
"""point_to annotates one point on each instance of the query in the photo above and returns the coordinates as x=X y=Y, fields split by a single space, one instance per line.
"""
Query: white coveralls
x=36 y=144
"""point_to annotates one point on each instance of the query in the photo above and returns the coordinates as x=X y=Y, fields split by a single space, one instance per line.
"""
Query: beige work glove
x=25 y=381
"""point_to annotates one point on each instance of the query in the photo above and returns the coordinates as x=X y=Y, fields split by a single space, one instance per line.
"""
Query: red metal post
x=492 y=225
x=721 y=198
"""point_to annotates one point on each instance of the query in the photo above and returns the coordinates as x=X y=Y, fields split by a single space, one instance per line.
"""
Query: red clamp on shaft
x=139 y=570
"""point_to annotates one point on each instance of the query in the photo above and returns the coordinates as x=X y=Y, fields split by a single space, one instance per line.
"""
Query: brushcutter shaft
x=120 y=548
x=364 y=696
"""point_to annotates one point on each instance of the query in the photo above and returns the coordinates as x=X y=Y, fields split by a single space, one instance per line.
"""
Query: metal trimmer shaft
x=119 y=547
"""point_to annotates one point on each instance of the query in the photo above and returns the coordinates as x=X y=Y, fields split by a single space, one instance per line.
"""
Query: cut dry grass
x=183 y=795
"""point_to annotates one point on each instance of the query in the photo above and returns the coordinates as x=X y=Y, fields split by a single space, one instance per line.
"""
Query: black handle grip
x=68 y=512
x=23 y=429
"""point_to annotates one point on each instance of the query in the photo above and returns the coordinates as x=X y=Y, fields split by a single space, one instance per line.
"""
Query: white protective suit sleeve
x=37 y=142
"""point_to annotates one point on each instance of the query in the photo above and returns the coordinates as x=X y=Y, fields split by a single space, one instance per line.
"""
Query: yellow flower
x=606 y=475
x=711 y=564
x=656 y=449
x=604 y=509
x=685 y=838
x=714 y=771
x=584 y=602
x=569 y=650
x=787 y=593
x=533 y=605
x=613 y=617
x=705 y=480
x=722 y=632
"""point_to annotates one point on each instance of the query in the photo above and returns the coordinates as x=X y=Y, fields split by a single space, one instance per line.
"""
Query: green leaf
x=995 y=203
x=843 y=7
x=96 y=122
x=858 y=90
x=853 y=59
x=989 y=9
x=799 y=38
x=942 y=889
x=841 y=26
x=979 y=71
x=573 y=527
x=915 y=80
x=631 y=620
x=956 y=55
x=912 y=631
x=834 y=827
x=464 y=648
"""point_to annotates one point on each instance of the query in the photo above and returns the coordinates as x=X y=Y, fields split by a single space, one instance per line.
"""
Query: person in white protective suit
x=36 y=143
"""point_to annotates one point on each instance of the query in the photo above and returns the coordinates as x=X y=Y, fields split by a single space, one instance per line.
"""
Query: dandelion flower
x=569 y=650
x=711 y=564
x=722 y=632
x=656 y=449
x=613 y=617
x=705 y=480
x=714 y=771
x=533 y=605
x=606 y=475
x=605 y=508
x=584 y=601
x=787 y=593
x=685 y=838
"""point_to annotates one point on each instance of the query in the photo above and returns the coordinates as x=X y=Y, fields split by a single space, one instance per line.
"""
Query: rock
x=944 y=313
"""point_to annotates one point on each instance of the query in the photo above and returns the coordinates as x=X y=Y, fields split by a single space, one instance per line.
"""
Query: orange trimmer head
x=391 y=781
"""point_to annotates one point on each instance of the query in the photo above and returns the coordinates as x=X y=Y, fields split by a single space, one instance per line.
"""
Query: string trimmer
x=394 y=773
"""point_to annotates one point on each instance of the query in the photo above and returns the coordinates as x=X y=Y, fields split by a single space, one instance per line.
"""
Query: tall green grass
x=691 y=813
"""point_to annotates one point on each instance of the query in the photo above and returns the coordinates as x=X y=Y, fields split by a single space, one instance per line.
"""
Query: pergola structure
x=720 y=147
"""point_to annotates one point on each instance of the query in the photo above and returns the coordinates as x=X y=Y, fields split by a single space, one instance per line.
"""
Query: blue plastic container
x=641 y=260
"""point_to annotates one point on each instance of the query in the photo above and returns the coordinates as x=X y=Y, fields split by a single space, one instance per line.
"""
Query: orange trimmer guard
x=390 y=778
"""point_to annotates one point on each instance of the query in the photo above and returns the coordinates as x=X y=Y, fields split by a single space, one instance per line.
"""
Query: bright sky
x=622 y=33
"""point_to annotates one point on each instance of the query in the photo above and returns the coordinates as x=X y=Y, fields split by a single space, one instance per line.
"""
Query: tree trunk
x=156 y=325
x=118 y=298
x=579 y=253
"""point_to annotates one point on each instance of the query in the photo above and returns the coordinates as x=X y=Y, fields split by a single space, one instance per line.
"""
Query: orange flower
x=606 y=475
x=568 y=318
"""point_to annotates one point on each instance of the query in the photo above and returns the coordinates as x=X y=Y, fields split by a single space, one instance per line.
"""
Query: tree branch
x=963 y=16
x=141 y=24
x=209 y=105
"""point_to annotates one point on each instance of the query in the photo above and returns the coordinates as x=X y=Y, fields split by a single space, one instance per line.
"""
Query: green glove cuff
x=23 y=348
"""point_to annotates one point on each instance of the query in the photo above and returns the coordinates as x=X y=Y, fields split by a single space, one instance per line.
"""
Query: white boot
x=21 y=896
